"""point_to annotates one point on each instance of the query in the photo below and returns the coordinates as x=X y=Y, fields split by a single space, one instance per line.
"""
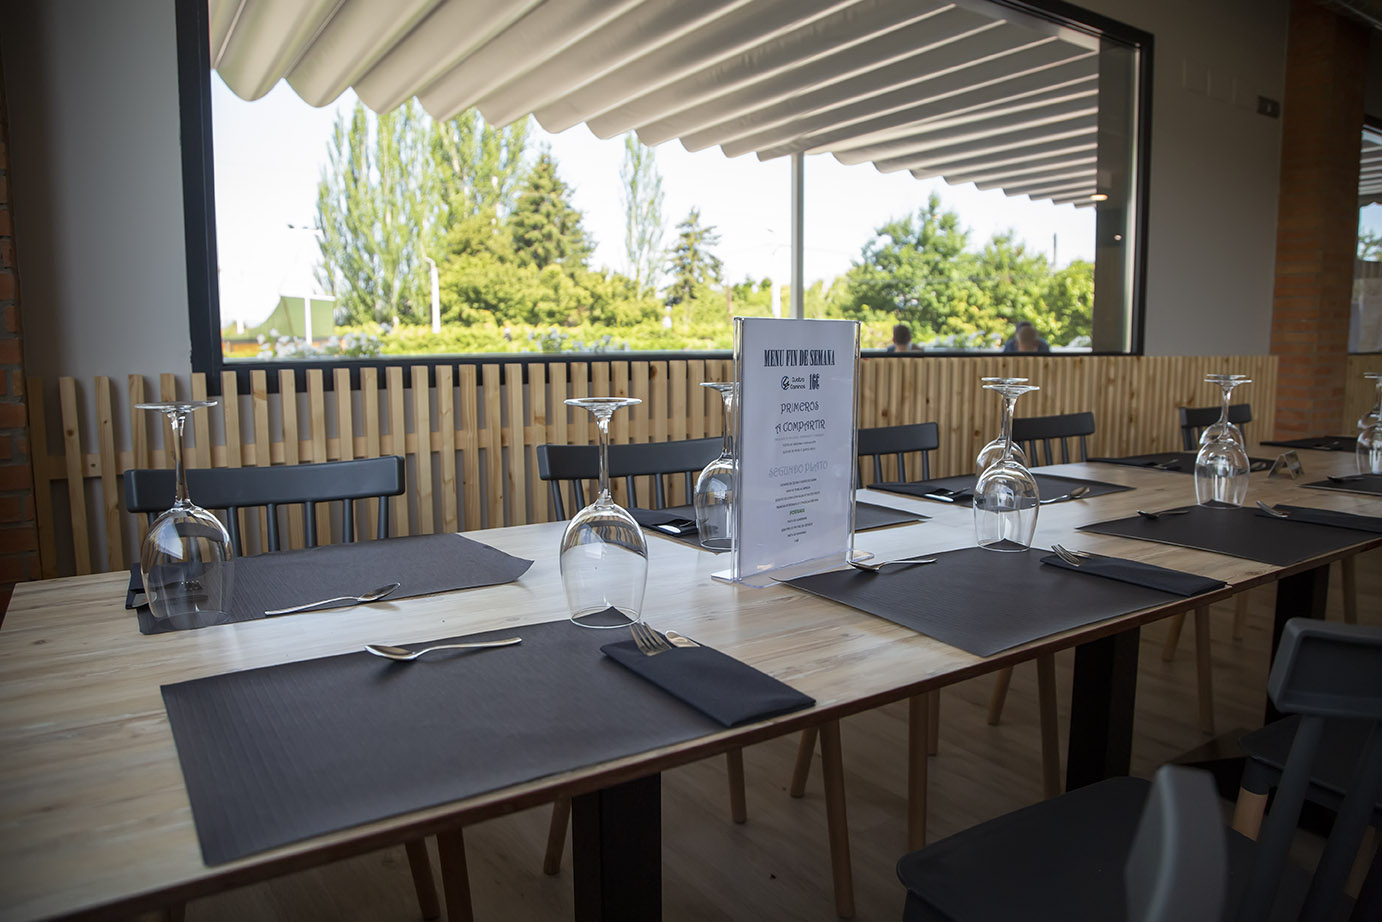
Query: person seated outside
x=902 y=340
x=1026 y=339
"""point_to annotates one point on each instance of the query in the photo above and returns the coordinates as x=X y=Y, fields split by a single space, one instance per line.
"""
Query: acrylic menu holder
x=795 y=430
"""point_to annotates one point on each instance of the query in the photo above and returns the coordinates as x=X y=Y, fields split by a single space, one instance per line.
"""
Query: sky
x=269 y=156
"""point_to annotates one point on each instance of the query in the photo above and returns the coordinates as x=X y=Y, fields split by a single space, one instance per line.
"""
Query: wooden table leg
x=801 y=770
x=616 y=852
x=833 y=776
x=1302 y=595
x=1103 y=693
x=455 y=876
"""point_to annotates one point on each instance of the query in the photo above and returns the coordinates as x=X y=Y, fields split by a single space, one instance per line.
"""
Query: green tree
x=545 y=227
x=643 y=221
x=690 y=262
x=1369 y=245
x=1068 y=299
x=376 y=215
x=477 y=166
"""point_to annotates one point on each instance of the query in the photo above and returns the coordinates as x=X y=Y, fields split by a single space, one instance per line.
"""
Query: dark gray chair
x=234 y=488
x=1194 y=420
x=1061 y=858
x=899 y=441
x=576 y=464
x=1031 y=431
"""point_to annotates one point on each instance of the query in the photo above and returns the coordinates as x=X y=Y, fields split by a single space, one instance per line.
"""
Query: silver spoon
x=875 y=567
x=374 y=595
x=1274 y=513
x=403 y=654
x=1156 y=515
x=1073 y=494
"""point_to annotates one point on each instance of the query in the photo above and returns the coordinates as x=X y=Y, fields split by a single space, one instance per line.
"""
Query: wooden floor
x=776 y=866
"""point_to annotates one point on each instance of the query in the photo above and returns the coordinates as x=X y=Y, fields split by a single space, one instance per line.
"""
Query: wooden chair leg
x=1362 y=864
x=1349 y=566
x=738 y=807
x=1203 y=666
x=455 y=877
x=918 y=737
x=933 y=723
x=832 y=773
x=1168 y=651
x=999 y=694
x=556 y=836
x=1240 y=614
x=806 y=749
x=1247 y=813
x=423 y=884
x=1050 y=727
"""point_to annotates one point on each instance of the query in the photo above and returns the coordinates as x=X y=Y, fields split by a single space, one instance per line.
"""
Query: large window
x=1365 y=321
x=963 y=170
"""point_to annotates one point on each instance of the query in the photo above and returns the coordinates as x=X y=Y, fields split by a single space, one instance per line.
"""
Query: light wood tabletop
x=94 y=818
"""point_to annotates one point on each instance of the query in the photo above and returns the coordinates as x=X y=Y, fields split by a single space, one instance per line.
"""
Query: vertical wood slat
x=369 y=422
x=398 y=441
x=76 y=482
x=515 y=478
x=492 y=432
x=200 y=452
x=639 y=429
x=470 y=449
x=345 y=442
x=139 y=442
x=43 y=489
x=110 y=487
x=422 y=438
x=230 y=428
x=288 y=411
x=259 y=407
x=167 y=392
x=446 y=430
x=316 y=419
x=541 y=509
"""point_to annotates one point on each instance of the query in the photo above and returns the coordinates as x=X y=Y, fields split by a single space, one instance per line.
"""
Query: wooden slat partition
x=474 y=434
x=1360 y=394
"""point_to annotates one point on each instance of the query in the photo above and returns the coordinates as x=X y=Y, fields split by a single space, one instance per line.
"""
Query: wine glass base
x=718 y=544
x=1006 y=546
x=604 y=619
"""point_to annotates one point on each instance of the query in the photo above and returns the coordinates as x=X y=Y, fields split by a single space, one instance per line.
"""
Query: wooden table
x=94 y=818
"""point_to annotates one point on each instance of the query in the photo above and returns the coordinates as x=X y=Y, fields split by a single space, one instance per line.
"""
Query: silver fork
x=1074 y=558
x=649 y=642
x=1274 y=513
x=1156 y=515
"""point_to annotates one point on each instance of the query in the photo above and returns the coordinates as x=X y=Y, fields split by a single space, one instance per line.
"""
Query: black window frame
x=192 y=22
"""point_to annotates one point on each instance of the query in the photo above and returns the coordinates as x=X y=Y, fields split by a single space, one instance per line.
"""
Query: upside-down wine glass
x=1222 y=426
x=185 y=559
x=994 y=450
x=1006 y=498
x=604 y=556
x=715 y=486
x=1222 y=467
x=1369 y=448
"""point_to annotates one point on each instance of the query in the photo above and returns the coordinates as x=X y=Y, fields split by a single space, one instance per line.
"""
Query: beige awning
x=939 y=89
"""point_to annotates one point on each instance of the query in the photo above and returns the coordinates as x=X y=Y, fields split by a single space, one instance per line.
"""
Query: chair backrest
x=1178 y=864
x=1193 y=421
x=1031 y=431
x=575 y=464
x=899 y=440
x=234 y=488
x=1323 y=671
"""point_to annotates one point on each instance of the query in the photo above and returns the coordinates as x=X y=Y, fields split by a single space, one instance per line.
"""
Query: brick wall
x=18 y=533
x=1317 y=216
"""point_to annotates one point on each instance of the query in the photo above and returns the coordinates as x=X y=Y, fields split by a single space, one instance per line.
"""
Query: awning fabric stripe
x=941 y=89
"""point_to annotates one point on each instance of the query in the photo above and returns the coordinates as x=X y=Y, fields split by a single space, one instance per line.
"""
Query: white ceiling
x=938 y=89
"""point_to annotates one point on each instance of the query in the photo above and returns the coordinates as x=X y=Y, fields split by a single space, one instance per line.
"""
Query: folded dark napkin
x=1180 y=461
x=1370 y=523
x=1368 y=484
x=959 y=490
x=1320 y=443
x=422 y=564
x=719 y=686
x=1177 y=582
x=673 y=521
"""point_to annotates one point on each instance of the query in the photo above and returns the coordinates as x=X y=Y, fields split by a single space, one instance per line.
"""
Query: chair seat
x=1061 y=858
x=1340 y=746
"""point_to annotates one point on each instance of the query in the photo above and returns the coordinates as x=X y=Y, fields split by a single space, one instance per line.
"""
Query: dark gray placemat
x=275 y=755
x=1331 y=517
x=1164 y=579
x=866 y=516
x=1182 y=462
x=1366 y=484
x=1236 y=531
x=1319 y=443
x=423 y=564
x=983 y=601
x=1049 y=485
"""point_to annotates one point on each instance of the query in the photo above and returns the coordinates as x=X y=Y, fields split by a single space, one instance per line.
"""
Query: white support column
x=798 y=236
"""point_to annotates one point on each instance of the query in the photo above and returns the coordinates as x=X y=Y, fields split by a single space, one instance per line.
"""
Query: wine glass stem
x=178 y=421
x=727 y=449
x=1223 y=415
x=602 y=424
x=1377 y=408
x=1009 y=403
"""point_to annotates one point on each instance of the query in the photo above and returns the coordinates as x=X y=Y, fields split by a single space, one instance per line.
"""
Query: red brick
x=13 y=416
x=15 y=568
x=18 y=538
x=16 y=477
